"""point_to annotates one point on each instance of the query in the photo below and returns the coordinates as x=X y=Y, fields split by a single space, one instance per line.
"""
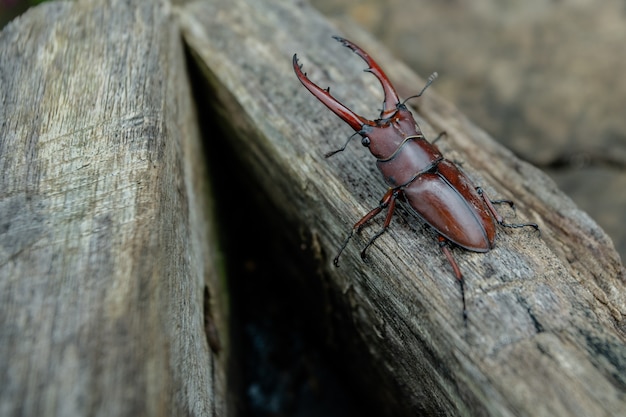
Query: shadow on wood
x=545 y=334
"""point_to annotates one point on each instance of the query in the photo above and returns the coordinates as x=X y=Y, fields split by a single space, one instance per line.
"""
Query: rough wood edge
x=546 y=332
x=105 y=256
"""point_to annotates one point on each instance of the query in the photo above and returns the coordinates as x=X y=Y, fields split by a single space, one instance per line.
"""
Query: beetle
x=436 y=190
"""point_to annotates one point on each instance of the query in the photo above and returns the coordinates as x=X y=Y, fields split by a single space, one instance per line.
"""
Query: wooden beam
x=107 y=266
x=545 y=333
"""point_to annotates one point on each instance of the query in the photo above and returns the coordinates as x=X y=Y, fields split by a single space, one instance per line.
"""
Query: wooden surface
x=104 y=232
x=545 y=334
x=539 y=76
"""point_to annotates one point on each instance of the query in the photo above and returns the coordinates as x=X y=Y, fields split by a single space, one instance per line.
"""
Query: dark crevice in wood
x=281 y=332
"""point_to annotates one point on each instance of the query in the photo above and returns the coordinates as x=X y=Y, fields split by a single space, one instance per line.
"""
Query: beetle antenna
x=343 y=148
x=430 y=80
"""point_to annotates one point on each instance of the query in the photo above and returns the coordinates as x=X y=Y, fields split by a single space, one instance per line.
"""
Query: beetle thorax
x=388 y=134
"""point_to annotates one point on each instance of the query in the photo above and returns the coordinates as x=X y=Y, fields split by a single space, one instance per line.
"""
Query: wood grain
x=545 y=334
x=104 y=228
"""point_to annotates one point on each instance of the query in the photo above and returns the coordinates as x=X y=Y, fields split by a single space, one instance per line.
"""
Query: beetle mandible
x=435 y=189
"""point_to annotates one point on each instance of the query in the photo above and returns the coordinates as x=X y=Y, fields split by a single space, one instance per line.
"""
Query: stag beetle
x=435 y=189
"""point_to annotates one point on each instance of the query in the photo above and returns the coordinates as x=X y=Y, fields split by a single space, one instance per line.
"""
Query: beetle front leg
x=388 y=200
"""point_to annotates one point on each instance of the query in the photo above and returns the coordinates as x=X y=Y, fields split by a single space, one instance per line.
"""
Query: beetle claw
x=391 y=101
x=354 y=120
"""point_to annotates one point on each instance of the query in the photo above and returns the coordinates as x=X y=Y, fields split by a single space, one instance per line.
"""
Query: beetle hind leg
x=445 y=248
x=497 y=215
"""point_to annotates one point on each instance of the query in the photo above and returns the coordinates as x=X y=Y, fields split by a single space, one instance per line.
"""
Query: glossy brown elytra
x=416 y=171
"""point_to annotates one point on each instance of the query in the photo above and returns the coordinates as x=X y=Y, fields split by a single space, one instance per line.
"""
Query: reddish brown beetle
x=434 y=187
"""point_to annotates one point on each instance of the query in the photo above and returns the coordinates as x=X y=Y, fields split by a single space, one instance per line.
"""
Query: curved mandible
x=355 y=121
x=391 y=96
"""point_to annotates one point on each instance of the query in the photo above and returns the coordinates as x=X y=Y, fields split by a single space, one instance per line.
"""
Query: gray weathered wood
x=104 y=229
x=545 y=334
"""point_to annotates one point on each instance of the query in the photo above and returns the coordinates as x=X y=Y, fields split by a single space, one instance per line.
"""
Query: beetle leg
x=443 y=244
x=389 y=199
x=391 y=100
x=439 y=136
x=504 y=201
x=497 y=215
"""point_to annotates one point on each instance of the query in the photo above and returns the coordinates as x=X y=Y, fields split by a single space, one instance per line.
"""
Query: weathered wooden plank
x=545 y=334
x=104 y=229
